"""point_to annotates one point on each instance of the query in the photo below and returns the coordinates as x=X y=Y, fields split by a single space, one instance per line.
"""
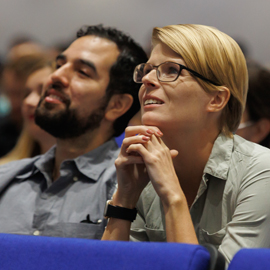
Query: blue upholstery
x=251 y=259
x=38 y=252
x=120 y=139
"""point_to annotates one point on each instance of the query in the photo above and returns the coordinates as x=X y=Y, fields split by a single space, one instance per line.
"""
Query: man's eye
x=83 y=73
x=57 y=66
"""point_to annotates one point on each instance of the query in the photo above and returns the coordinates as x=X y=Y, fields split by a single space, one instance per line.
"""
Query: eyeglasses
x=166 y=72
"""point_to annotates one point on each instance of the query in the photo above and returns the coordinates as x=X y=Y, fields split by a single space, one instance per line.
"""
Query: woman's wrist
x=123 y=201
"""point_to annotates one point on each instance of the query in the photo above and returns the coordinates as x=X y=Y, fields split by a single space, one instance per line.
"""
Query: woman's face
x=34 y=86
x=181 y=104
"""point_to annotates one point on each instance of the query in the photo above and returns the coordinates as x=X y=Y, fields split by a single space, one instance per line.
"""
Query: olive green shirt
x=232 y=206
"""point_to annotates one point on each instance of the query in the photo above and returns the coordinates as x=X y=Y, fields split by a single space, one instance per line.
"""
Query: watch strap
x=114 y=211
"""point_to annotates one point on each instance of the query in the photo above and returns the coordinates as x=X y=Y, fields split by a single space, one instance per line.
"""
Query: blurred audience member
x=14 y=77
x=255 y=122
x=21 y=46
x=33 y=140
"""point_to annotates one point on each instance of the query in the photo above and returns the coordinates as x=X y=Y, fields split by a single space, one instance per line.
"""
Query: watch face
x=106 y=209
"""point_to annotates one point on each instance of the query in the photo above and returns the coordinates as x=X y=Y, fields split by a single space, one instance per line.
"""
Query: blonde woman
x=33 y=140
x=187 y=176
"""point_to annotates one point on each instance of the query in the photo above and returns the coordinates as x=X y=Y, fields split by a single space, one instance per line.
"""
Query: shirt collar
x=91 y=164
x=43 y=163
x=220 y=157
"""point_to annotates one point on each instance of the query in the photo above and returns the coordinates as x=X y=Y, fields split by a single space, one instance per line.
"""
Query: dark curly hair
x=121 y=73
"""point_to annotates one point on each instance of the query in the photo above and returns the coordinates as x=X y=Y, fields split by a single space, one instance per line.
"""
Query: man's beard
x=67 y=124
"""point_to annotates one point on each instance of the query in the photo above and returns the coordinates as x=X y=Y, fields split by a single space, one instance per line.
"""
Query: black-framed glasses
x=166 y=72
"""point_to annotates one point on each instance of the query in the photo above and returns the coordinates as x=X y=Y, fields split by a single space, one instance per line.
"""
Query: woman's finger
x=144 y=130
x=132 y=159
x=174 y=153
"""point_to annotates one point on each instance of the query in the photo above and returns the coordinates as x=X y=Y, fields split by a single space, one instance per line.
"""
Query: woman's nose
x=150 y=79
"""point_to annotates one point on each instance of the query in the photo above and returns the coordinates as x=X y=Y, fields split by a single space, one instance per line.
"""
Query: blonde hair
x=217 y=57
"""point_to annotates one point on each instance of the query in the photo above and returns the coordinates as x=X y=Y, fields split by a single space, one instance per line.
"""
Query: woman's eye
x=172 y=70
x=147 y=70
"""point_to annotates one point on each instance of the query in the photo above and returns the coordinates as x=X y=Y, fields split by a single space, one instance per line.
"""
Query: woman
x=33 y=140
x=255 y=122
x=190 y=179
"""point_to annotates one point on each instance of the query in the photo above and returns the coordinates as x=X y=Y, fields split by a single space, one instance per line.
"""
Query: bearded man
x=86 y=102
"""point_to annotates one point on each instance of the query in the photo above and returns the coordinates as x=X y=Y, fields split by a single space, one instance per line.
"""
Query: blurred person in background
x=33 y=140
x=14 y=78
x=255 y=122
x=23 y=45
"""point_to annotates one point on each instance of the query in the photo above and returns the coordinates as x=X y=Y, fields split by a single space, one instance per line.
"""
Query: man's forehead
x=94 y=44
x=93 y=48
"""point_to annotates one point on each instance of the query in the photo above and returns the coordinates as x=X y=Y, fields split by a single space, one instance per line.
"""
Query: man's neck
x=72 y=148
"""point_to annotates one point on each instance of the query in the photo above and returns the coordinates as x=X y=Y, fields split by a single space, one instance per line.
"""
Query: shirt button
x=75 y=178
x=36 y=233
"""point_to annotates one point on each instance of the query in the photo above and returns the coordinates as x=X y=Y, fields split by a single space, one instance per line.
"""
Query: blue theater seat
x=40 y=253
x=251 y=259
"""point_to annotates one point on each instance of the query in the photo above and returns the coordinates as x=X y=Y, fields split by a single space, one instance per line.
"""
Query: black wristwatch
x=119 y=212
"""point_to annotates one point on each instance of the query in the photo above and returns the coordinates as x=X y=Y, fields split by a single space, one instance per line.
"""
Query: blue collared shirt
x=71 y=206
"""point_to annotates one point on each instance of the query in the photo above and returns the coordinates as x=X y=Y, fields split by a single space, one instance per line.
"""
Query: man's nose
x=61 y=75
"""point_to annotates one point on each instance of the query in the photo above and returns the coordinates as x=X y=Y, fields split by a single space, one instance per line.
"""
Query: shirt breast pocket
x=214 y=238
x=76 y=230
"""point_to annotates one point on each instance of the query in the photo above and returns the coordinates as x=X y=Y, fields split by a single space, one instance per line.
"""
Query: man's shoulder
x=18 y=164
x=10 y=170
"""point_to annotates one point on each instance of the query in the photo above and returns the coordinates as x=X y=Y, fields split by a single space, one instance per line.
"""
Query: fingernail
x=144 y=138
x=149 y=131
x=160 y=133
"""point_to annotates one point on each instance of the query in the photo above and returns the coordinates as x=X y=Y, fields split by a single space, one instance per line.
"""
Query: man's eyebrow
x=88 y=63
x=61 y=57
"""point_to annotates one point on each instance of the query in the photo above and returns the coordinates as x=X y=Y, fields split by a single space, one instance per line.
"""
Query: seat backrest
x=39 y=252
x=251 y=259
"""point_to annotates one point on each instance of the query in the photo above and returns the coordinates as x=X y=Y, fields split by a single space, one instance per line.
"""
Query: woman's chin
x=150 y=121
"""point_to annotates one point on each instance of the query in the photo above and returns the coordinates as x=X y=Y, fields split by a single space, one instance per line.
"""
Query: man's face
x=74 y=97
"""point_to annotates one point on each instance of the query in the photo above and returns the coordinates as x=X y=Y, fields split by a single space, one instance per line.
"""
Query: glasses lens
x=140 y=71
x=168 y=72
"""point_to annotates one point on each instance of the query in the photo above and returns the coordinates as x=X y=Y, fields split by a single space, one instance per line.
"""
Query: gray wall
x=51 y=21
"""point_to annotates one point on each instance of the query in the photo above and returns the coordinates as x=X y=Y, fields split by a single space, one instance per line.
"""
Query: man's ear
x=219 y=99
x=260 y=130
x=118 y=105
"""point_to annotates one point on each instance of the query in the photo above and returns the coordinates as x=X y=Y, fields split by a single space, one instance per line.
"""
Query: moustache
x=56 y=88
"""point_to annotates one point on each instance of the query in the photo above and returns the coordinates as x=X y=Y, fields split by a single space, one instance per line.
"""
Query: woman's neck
x=193 y=153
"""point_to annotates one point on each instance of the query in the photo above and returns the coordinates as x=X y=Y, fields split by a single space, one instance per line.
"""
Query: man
x=87 y=100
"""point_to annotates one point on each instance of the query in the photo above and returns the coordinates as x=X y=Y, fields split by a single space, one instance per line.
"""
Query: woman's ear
x=219 y=99
x=118 y=105
x=260 y=130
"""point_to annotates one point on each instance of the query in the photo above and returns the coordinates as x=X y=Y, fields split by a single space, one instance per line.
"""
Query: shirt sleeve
x=250 y=224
